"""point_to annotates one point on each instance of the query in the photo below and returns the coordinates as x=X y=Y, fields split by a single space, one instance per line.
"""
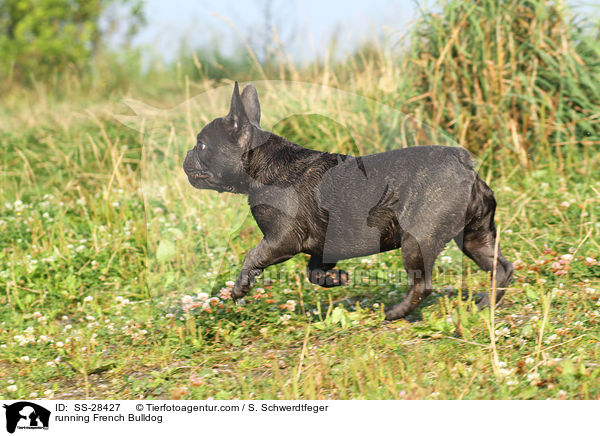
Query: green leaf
x=178 y=233
x=166 y=250
x=531 y=294
x=336 y=315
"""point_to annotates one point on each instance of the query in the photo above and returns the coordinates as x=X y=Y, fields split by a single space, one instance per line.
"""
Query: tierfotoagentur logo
x=24 y=415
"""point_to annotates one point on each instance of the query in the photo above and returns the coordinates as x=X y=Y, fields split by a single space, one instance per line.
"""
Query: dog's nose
x=187 y=160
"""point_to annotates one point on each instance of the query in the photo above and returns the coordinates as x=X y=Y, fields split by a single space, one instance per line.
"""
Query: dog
x=333 y=206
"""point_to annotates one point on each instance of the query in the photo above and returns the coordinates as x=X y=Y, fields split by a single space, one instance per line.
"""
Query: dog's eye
x=202 y=145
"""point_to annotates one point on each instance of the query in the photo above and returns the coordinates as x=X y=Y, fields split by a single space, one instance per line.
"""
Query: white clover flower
x=59 y=344
x=187 y=299
x=505 y=371
x=19 y=206
x=12 y=388
x=202 y=296
x=230 y=283
x=25 y=359
x=504 y=331
x=567 y=257
x=446 y=259
x=529 y=361
x=88 y=299
x=225 y=293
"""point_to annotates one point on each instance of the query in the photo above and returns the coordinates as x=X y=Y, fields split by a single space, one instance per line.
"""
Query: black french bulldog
x=334 y=207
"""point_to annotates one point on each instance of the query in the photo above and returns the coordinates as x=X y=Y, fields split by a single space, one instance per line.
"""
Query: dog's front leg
x=266 y=253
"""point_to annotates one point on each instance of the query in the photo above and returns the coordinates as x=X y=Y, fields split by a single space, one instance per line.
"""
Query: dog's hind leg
x=324 y=274
x=479 y=245
x=418 y=264
x=478 y=241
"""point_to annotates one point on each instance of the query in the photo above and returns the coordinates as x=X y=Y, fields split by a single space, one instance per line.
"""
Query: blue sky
x=313 y=22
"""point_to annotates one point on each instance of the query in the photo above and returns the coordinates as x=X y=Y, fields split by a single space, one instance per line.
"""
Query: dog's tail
x=482 y=206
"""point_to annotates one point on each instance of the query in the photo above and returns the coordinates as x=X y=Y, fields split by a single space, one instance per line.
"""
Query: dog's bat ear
x=237 y=114
x=251 y=104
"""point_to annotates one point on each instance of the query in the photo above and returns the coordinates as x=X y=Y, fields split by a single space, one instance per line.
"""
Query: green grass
x=106 y=252
x=90 y=310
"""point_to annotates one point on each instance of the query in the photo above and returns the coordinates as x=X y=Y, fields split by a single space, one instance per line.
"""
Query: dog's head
x=216 y=161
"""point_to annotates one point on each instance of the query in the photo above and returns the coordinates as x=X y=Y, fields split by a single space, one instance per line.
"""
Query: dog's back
x=372 y=200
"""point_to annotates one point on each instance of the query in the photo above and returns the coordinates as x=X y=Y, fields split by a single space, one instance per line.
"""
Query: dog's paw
x=336 y=277
x=395 y=312
x=238 y=293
